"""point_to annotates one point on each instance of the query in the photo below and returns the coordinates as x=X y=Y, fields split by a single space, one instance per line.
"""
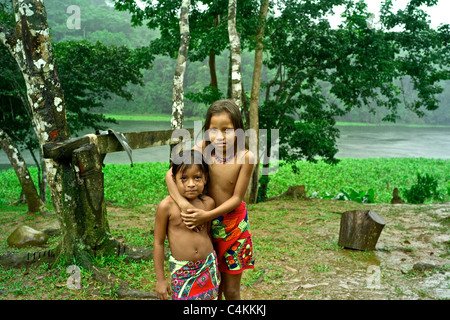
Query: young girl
x=230 y=170
x=193 y=262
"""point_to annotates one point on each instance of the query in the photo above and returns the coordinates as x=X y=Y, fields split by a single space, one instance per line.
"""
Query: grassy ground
x=295 y=245
x=295 y=241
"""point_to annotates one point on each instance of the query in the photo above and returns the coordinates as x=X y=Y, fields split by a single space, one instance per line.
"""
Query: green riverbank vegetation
x=144 y=183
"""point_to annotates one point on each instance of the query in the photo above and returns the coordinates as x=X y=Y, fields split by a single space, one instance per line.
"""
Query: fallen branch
x=312 y=220
x=17 y=260
x=287 y=208
x=115 y=284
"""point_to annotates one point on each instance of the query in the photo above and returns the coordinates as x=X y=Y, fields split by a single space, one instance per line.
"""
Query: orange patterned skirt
x=232 y=241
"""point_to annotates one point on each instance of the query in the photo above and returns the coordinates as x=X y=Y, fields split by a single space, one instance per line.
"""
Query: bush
x=424 y=189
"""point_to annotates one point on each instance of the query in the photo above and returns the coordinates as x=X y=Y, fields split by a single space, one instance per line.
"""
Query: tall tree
x=320 y=72
x=76 y=183
x=324 y=72
x=89 y=73
x=252 y=191
x=178 y=79
x=208 y=28
x=29 y=43
x=235 y=55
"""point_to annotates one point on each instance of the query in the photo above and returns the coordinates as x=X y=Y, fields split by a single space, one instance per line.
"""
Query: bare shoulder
x=246 y=157
x=250 y=157
x=166 y=205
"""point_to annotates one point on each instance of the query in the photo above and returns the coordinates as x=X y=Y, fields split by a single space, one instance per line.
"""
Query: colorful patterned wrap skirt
x=232 y=241
x=195 y=280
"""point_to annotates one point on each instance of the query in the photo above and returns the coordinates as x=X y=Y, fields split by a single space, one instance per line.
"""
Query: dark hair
x=230 y=108
x=187 y=159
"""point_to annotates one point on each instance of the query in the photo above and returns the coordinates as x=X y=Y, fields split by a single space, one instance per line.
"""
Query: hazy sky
x=439 y=13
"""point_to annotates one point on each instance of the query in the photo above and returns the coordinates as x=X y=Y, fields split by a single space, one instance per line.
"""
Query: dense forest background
x=100 y=22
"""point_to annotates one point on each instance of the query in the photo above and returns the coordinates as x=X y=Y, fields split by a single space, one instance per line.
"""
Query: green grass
x=134 y=186
x=144 y=183
x=380 y=174
x=282 y=237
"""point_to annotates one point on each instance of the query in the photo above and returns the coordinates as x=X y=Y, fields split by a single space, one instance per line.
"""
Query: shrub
x=424 y=189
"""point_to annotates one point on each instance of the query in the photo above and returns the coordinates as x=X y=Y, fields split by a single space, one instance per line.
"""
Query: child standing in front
x=193 y=261
x=230 y=169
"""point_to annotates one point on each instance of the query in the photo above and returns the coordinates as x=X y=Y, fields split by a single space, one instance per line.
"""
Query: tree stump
x=360 y=230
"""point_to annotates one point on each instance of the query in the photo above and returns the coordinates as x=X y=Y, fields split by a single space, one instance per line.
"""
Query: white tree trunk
x=235 y=51
x=15 y=158
x=29 y=44
x=76 y=185
x=178 y=79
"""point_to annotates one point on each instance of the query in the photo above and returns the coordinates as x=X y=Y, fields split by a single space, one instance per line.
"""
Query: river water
x=355 y=142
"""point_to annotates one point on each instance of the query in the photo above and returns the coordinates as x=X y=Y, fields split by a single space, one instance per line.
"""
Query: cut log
x=360 y=230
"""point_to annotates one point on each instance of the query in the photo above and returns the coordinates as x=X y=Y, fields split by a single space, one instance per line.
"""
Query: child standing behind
x=193 y=262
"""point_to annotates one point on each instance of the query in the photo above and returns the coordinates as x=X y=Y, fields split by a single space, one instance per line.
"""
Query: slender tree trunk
x=245 y=107
x=29 y=44
x=252 y=191
x=212 y=60
x=42 y=173
x=212 y=69
x=235 y=51
x=76 y=186
x=28 y=188
x=229 y=83
x=178 y=79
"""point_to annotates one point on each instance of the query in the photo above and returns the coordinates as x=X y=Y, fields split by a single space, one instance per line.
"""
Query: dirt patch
x=316 y=268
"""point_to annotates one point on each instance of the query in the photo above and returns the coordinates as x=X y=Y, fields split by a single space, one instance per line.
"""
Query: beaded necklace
x=221 y=159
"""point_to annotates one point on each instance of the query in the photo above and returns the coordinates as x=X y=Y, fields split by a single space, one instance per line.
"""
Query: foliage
x=144 y=183
x=100 y=22
x=324 y=72
x=379 y=174
x=13 y=116
x=207 y=24
x=89 y=73
x=425 y=189
x=206 y=97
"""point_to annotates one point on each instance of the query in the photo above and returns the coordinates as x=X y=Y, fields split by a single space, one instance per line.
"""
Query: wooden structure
x=110 y=141
x=360 y=229
x=86 y=231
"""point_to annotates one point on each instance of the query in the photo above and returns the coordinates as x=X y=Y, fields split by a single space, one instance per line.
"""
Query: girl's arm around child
x=194 y=217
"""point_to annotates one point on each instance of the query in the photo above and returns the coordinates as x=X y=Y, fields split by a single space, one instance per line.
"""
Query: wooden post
x=360 y=229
